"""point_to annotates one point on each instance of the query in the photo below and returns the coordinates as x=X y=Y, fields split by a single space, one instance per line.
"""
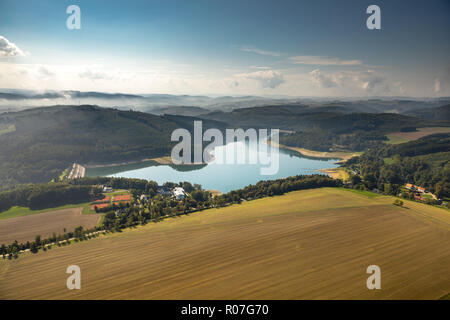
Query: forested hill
x=325 y=128
x=36 y=145
x=424 y=162
x=303 y=117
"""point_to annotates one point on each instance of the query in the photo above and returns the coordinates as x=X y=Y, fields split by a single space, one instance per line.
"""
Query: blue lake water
x=222 y=177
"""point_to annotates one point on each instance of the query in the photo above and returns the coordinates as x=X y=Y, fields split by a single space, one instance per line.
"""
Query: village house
x=107 y=189
x=413 y=187
x=179 y=193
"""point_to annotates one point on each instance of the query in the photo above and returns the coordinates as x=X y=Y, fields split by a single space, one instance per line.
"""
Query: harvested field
x=311 y=244
x=401 y=137
x=44 y=224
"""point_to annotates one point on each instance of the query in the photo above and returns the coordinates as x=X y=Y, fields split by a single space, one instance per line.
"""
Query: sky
x=319 y=48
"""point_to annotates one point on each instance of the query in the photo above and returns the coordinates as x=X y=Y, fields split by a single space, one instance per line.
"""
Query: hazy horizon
x=261 y=48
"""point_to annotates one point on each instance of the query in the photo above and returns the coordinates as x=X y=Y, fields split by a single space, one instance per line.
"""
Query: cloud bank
x=9 y=49
x=267 y=78
x=323 y=61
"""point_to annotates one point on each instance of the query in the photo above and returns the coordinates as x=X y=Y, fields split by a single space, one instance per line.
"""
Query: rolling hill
x=47 y=140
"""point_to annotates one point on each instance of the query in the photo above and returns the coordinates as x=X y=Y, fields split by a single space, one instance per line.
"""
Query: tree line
x=47 y=195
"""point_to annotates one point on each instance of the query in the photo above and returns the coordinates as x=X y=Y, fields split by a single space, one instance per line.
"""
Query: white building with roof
x=179 y=193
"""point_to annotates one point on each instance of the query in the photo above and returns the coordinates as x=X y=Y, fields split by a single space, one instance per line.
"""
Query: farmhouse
x=107 y=189
x=413 y=187
x=179 y=193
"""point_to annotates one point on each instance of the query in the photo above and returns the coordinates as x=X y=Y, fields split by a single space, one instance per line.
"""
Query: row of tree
x=47 y=195
x=78 y=234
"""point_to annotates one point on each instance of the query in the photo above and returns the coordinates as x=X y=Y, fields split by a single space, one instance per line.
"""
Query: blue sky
x=297 y=48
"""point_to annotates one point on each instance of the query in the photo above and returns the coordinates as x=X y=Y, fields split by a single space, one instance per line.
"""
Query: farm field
x=25 y=228
x=311 y=244
x=15 y=211
x=401 y=137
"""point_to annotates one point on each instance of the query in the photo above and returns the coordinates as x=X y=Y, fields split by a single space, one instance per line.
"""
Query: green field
x=24 y=211
x=368 y=194
x=310 y=244
x=9 y=128
x=402 y=137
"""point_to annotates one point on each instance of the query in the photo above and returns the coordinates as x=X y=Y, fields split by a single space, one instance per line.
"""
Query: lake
x=216 y=176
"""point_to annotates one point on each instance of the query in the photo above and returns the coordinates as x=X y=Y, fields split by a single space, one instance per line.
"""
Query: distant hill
x=438 y=113
x=179 y=110
x=300 y=117
x=37 y=144
x=47 y=140
x=328 y=127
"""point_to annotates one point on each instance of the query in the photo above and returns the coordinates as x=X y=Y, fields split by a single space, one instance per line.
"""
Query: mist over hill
x=13 y=100
x=37 y=143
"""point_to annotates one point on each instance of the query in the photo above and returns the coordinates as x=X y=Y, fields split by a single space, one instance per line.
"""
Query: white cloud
x=94 y=75
x=45 y=72
x=442 y=82
x=323 y=61
x=366 y=81
x=370 y=81
x=437 y=85
x=259 y=51
x=9 y=49
x=322 y=80
x=399 y=87
x=266 y=78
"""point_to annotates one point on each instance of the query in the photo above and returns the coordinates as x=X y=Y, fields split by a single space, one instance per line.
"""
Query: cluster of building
x=415 y=188
x=176 y=192
x=419 y=192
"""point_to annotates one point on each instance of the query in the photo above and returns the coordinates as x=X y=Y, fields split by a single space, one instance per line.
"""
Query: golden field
x=311 y=244
x=26 y=228
x=401 y=137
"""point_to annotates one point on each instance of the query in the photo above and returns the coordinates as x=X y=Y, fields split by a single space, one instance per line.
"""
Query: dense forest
x=47 y=195
x=424 y=162
x=325 y=128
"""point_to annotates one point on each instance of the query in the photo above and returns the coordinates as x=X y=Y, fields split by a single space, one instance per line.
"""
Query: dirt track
x=44 y=224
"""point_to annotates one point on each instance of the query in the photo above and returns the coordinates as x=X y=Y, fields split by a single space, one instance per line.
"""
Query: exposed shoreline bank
x=335 y=173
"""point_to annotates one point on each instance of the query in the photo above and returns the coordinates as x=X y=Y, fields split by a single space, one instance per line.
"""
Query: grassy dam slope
x=311 y=244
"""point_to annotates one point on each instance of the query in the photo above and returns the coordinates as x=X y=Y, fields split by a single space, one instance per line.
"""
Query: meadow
x=310 y=244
